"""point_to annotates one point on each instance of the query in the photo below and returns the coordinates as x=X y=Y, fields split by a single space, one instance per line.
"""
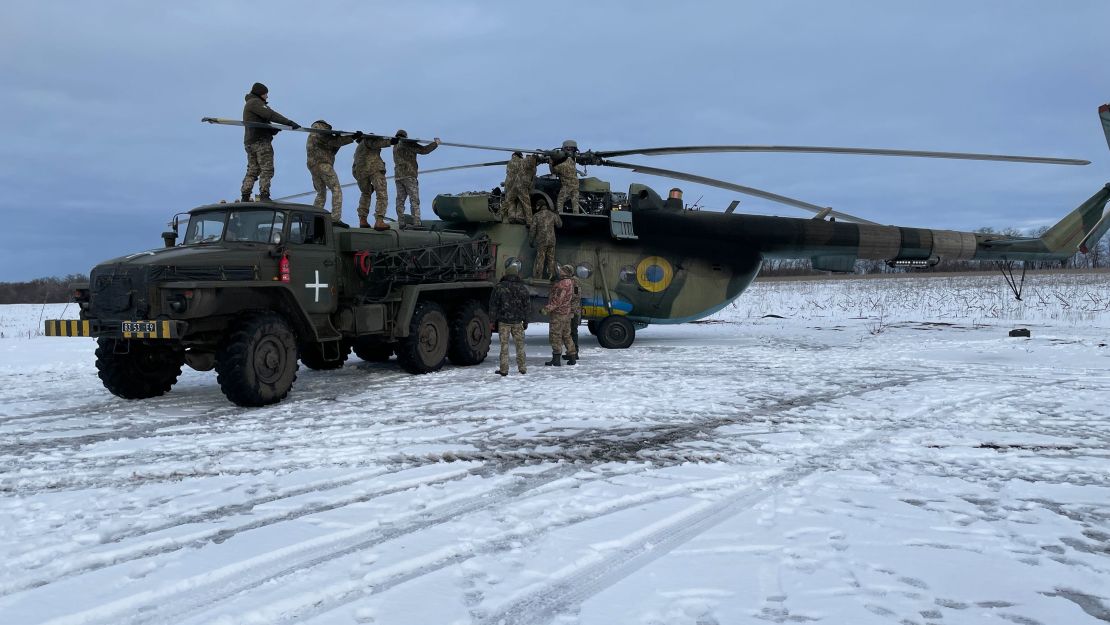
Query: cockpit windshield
x=253 y=226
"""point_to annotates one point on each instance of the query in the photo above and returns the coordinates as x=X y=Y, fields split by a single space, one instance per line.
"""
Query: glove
x=358 y=135
x=294 y=125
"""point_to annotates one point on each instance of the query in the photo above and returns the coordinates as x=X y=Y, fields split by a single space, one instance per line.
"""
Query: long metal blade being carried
x=809 y=149
x=721 y=184
x=347 y=133
x=425 y=171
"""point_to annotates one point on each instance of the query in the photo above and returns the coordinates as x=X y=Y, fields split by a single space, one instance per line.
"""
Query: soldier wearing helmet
x=516 y=205
x=405 y=171
x=321 y=150
x=563 y=166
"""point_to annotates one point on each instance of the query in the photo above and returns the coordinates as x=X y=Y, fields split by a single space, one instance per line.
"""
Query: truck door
x=312 y=262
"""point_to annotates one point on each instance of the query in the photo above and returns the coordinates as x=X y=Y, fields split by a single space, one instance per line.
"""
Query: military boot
x=379 y=224
x=246 y=197
x=264 y=197
x=556 y=360
x=572 y=358
x=362 y=223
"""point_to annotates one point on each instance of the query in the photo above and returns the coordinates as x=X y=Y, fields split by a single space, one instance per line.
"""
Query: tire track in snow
x=579 y=581
x=177 y=599
x=85 y=563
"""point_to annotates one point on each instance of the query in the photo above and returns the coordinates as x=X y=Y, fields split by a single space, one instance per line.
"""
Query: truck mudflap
x=148 y=329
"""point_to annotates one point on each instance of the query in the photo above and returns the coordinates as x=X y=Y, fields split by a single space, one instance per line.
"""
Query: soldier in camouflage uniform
x=516 y=205
x=258 y=142
x=405 y=171
x=321 y=150
x=508 y=306
x=542 y=237
x=568 y=179
x=576 y=318
x=560 y=305
x=369 y=172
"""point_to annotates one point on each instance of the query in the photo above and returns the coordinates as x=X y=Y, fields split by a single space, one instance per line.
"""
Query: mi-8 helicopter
x=642 y=259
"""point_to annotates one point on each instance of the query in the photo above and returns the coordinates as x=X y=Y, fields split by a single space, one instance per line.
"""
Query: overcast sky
x=101 y=102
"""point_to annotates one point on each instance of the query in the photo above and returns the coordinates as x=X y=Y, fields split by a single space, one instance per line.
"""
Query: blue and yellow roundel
x=654 y=274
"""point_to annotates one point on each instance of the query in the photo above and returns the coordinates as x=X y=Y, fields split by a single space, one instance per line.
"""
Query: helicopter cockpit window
x=628 y=274
x=254 y=226
x=205 y=227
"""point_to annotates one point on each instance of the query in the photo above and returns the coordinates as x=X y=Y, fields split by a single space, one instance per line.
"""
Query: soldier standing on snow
x=405 y=171
x=508 y=306
x=258 y=142
x=568 y=178
x=516 y=205
x=542 y=237
x=321 y=150
x=560 y=305
x=369 y=172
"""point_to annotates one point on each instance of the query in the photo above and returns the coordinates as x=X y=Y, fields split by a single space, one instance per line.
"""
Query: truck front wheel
x=425 y=348
x=144 y=369
x=470 y=334
x=258 y=363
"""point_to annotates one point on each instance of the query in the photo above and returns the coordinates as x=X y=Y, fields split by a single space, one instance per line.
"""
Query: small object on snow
x=773 y=316
x=1020 y=332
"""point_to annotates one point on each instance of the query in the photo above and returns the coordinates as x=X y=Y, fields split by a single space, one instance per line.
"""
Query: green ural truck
x=255 y=287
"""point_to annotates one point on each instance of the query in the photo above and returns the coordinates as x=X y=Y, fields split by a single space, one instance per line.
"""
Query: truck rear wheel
x=425 y=348
x=372 y=351
x=258 y=363
x=470 y=334
x=312 y=356
x=148 y=369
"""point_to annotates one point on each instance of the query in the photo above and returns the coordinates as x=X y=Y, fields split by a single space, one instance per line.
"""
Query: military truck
x=254 y=287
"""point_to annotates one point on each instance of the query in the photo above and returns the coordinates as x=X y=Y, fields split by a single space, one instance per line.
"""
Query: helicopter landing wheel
x=616 y=332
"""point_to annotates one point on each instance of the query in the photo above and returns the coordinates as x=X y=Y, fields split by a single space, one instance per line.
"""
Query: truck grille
x=117 y=289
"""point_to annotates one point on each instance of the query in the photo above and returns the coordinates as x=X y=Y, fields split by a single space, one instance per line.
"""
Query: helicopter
x=642 y=259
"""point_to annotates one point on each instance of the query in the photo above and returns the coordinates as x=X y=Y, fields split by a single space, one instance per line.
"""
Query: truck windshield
x=255 y=226
x=205 y=227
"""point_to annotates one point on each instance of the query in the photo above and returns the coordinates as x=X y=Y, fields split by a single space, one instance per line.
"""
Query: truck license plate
x=138 y=326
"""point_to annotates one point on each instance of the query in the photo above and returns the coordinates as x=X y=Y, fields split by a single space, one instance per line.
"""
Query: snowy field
x=883 y=453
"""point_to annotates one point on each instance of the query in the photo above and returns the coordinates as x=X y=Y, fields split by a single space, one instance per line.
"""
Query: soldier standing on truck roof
x=405 y=171
x=258 y=142
x=321 y=150
x=516 y=205
x=508 y=306
x=568 y=178
x=560 y=305
x=369 y=172
x=542 y=237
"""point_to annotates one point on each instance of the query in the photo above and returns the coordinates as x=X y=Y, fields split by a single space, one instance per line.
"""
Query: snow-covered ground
x=882 y=454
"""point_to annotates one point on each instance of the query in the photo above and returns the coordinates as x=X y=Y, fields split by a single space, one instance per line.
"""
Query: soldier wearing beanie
x=257 y=142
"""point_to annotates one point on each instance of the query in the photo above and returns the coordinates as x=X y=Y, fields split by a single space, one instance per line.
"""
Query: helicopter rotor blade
x=426 y=171
x=346 y=133
x=808 y=149
x=721 y=184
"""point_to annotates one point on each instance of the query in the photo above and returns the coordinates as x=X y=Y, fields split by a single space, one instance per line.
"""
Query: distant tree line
x=40 y=290
x=1098 y=257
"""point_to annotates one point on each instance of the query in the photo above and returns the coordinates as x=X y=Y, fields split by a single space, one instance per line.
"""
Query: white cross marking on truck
x=317 y=286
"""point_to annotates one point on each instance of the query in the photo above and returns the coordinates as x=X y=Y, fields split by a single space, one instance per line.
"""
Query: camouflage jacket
x=512 y=172
x=544 y=223
x=256 y=110
x=404 y=157
x=565 y=170
x=528 y=170
x=510 y=301
x=322 y=148
x=561 y=300
x=368 y=155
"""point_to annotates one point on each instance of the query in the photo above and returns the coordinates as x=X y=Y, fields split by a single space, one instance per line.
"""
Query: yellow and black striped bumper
x=163 y=329
x=68 y=327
